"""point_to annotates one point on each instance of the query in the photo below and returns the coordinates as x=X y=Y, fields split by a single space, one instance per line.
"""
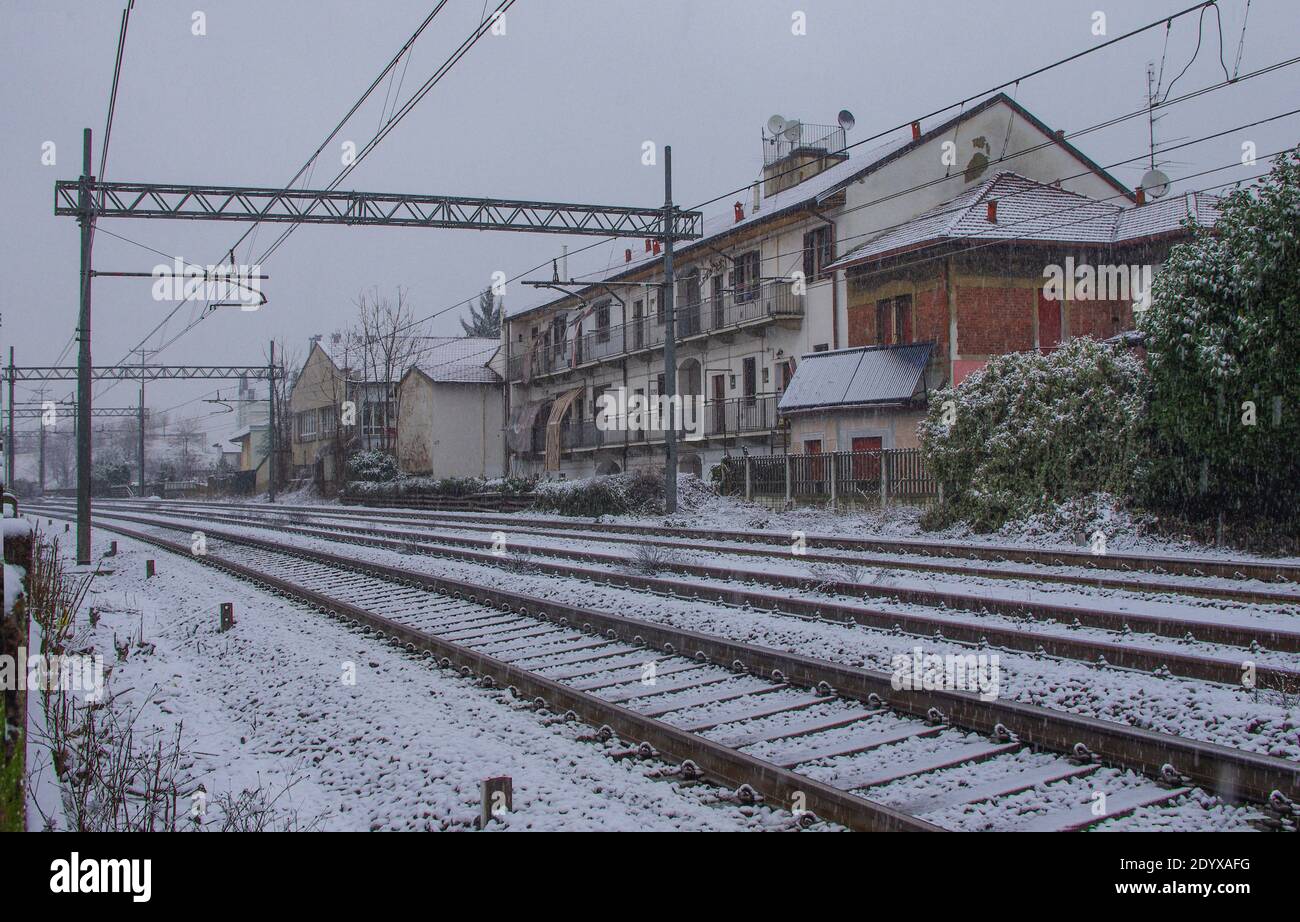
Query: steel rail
x=718 y=762
x=1234 y=774
x=1206 y=631
x=491 y=523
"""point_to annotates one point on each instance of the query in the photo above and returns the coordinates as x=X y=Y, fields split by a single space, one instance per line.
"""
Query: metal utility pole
x=9 y=441
x=141 y=421
x=270 y=471
x=86 y=217
x=670 y=341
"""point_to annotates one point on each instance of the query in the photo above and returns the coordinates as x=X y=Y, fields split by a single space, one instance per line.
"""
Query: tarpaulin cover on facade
x=558 y=409
x=519 y=434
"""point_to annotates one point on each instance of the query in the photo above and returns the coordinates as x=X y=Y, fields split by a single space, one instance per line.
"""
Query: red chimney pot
x=993 y=211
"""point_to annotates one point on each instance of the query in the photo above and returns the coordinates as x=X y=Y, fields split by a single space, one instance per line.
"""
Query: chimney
x=627 y=255
x=1141 y=196
x=649 y=245
x=657 y=247
x=993 y=211
x=916 y=131
x=740 y=212
x=758 y=197
x=564 y=262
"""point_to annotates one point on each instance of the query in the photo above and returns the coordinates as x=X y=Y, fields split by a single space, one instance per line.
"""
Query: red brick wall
x=862 y=324
x=991 y=321
x=1097 y=318
x=932 y=318
x=929 y=317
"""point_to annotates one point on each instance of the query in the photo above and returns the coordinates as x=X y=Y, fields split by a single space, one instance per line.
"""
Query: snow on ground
x=265 y=706
x=1256 y=721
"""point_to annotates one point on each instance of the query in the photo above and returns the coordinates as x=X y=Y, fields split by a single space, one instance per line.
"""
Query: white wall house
x=752 y=296
x=451 y=415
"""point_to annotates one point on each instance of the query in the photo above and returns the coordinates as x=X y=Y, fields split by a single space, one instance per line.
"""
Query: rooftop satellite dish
x=776 y=124
x=793 y=131
x=846 y=120
x=1156 y=184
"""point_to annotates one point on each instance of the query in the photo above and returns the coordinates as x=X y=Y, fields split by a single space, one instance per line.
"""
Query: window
x=557 y=335
x=638 y=329
x=659 y=309
x=602 y=322
x=307 y=426
x=328 y=423
x=903 y=319
x=751 y=377
x=818 y=252
x=884 y=308
x=745 y=276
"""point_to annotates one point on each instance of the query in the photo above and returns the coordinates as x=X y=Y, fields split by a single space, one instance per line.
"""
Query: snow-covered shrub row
x=1032 y=430
x=635 y=492
x=403 y=485
x=1223 y=341
x=372 y=466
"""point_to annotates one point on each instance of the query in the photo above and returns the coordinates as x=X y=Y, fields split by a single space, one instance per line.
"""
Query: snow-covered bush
x=636 y=492
x=403 y=485
x=1223 y=341
x=372 y=466
x=1030 y=430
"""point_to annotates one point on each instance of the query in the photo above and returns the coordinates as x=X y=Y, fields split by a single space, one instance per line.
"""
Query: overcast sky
x=557 y=108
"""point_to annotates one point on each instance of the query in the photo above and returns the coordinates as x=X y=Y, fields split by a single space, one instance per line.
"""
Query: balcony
x=721 y=419
x=731 y=311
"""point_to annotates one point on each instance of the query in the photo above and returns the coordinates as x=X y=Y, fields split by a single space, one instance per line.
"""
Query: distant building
x=451 y=417
x=252 y=433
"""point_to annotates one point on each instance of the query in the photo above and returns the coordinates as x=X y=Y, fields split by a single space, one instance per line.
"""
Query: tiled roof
x=856 y=377
x=459 y=360
x=1029 y=210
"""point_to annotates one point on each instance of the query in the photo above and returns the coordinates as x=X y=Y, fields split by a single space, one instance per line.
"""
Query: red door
x=866 y=467
x=1049 y=323
x=816 y=465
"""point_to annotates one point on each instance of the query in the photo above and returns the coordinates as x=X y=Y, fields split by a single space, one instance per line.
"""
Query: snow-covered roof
x=458 y=359
x=724 y=221
x=1028 y=210
x=811 y=192
x=856 y=377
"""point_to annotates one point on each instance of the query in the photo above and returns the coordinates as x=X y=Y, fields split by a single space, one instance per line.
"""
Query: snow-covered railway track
x=898 y=549
x=982 y=598
x=1117 y=650
x=812 y=735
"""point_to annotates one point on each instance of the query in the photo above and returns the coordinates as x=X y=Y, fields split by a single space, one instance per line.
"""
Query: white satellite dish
x=846 y=120
x=1156 y=184
x=793 y=132
x=776 y=124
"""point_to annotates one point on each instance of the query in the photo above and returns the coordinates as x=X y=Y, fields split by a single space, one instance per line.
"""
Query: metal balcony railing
x=719 y=419
x=754 y=304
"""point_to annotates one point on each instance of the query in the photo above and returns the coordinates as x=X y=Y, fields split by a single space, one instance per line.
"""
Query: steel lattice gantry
x=143 y=372
x=299 y=206
x=89 y=199
x=68 y=409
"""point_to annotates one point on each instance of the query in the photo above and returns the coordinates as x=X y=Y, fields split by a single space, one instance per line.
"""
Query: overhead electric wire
x=308 y=164
x=593 y=280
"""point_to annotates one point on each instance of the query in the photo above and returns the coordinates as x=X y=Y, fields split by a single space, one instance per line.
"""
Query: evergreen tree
x=485 y=320
x=1223 y=337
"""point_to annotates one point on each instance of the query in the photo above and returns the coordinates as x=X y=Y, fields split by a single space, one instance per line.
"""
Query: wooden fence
x=847 y=477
